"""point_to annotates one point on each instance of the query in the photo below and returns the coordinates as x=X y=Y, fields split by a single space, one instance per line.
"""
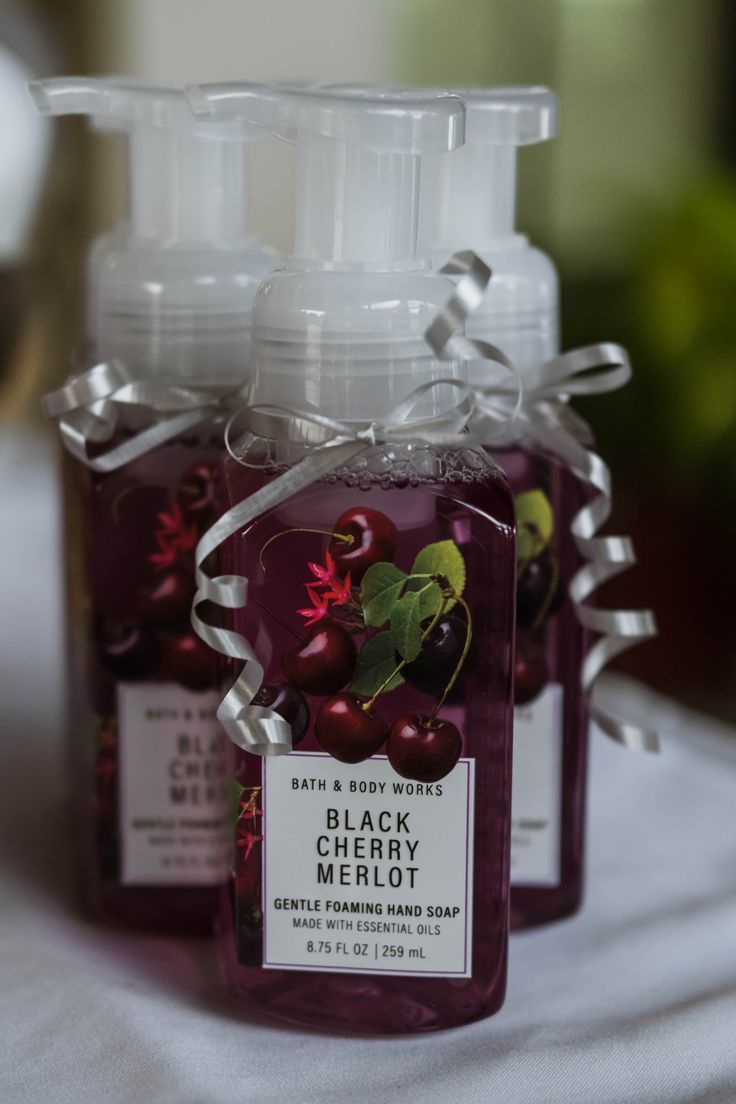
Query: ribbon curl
x=88 y=408
x=541 y=414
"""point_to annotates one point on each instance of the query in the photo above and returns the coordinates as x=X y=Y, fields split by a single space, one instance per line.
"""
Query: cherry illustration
x=349 y=729
x=530 y=670
x=166 y=600
x=423 y=749
x=198 y=492
x=323 y=662
x=286 y=700
x=128 y=649
x=533 y=589
x=441 y=651
x=190 y=662
x=373 y=540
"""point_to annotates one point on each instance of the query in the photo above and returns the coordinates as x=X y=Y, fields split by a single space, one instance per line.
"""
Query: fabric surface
x=631 y=1002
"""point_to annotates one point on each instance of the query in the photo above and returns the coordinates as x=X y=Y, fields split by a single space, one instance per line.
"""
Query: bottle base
x=368 y=1007
x=534 y=906
x=171 y=910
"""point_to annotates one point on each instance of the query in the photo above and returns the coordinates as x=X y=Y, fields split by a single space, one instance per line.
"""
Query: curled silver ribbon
x=541 y=414
x=255 y=728
x=88 y=407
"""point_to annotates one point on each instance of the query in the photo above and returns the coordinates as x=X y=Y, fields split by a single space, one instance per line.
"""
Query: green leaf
x=406 y=625
x=376 y=661
x=234 y=798
x=535 y=524
x=379 y=591
x=441 y=558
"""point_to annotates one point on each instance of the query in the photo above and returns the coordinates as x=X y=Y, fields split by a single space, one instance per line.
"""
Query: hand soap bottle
x=370 y=880
x=170 y=293
x=468 y=201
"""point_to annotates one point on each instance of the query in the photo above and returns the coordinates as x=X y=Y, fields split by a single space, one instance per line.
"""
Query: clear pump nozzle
x=174 y=158
x=357 y=163
x=471 y=196
x=171 y=287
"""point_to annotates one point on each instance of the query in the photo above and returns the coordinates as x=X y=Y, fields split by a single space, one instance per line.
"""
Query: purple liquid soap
x=370 y=880
x=149 y=762
x=551 y=716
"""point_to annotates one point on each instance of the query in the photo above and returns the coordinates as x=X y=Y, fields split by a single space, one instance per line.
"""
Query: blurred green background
x=636 y=202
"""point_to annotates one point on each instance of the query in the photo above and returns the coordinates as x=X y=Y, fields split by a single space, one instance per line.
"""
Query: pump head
x=170 y=289
x=469 y=199
x=175 y=159
x=357 y=163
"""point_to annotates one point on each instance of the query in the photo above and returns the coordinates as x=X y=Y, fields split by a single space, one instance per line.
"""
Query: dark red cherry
x=530 y=670
x=286 y=700
x=190 y=662
x=129 y=650
x=165 y=601
x=198 y=492
x=533 y=589
x=441 y=650
x=423 y=749
x=373 y=540
x=324 y=661
x=349 y=731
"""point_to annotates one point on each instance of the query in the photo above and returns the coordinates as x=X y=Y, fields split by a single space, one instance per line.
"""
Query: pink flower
x=247 y=840
x=173 y=536
x=319 y=608
x=340 y=591
x=325 y=576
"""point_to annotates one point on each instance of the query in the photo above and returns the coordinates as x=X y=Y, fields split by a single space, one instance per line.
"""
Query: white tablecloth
x=632 y=1002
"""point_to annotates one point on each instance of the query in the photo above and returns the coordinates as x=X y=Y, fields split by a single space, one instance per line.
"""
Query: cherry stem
x=345 y=537
x=463 y=657
x=369 y=704
x=277 y=619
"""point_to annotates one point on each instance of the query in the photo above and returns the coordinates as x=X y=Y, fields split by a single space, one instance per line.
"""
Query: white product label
x=173 y=786
x=537 y=790
x=364 y=871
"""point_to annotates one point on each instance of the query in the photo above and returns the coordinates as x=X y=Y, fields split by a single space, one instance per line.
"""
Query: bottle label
x=364 y=871
x=537 y=790
x=173 y=786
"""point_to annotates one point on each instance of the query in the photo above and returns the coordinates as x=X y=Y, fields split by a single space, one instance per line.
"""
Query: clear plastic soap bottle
x=370 y=881
x=170 y=293
x=468 y=201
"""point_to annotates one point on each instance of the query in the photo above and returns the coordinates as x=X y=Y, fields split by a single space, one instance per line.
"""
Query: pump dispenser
x=394 y=801
x=171 y=287
x=170 y=296
x=341 y=328
x=469 y=202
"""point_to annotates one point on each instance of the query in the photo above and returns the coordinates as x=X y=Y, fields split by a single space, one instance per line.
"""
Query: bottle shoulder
x=470 y=476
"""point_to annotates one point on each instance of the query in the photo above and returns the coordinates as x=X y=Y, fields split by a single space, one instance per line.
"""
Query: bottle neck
x=468 y=199
x=185 y=187
x=355 y=206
